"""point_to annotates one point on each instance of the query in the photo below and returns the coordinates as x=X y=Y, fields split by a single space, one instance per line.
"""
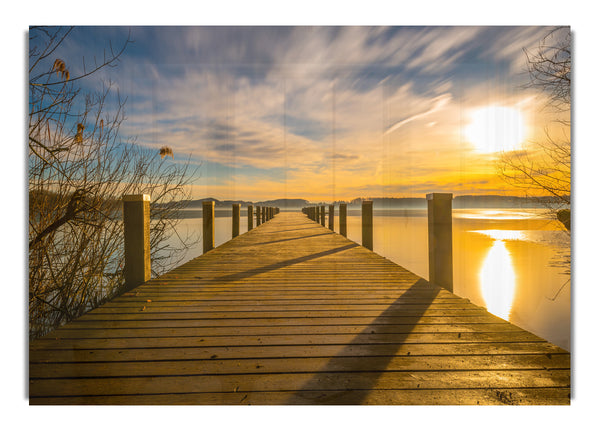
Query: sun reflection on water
x=502 y=234
x=497 y=279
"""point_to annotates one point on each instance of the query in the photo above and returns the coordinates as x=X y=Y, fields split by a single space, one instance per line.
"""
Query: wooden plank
x=292 y=313
x=148 y=313
x=363 y=380
x=116 y=332
x=306 y=301
x=493 y=396
x=158 y=307
x=299 y=365
x=295 y=321
x=294 y=339
x=56 y=354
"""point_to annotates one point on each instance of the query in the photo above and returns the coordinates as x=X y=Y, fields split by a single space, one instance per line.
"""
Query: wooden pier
x=294 y=313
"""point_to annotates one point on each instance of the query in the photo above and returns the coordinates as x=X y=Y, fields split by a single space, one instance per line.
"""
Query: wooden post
x=136 y=225
x=208 y=226
x=343 y=226
x=235 y=220
x=264 y=214
x=439 y=224
x=257 y=215
x=322 y=215
x=330 y=221
x=367 y=224
x=250 y=221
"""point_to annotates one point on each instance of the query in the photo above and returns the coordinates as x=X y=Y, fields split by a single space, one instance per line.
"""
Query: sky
x=324 y=113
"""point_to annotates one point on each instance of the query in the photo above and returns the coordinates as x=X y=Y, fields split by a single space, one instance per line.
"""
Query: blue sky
x=321 y=113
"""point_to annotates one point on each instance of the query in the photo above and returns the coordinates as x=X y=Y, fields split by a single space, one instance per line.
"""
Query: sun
x=495 y=129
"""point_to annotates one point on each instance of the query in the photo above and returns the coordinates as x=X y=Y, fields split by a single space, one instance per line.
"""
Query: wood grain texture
x=293 y=313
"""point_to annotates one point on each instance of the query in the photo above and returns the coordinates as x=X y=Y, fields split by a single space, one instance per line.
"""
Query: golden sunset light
x=496 y=128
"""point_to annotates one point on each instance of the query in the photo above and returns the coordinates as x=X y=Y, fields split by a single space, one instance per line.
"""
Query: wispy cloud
x=438 y=103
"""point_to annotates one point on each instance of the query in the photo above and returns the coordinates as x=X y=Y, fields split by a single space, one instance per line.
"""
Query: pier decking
x=293 y=313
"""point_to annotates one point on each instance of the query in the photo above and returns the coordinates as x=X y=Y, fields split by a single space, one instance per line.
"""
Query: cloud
x=438 y=48
x=509 y=45
x=438 y=103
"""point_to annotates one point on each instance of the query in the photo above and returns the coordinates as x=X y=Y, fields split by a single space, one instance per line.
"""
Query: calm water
x=510 y=261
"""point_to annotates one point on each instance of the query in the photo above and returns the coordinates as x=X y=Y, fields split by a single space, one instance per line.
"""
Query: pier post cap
x=367 y=202
x=136 y=198
x=436 y=196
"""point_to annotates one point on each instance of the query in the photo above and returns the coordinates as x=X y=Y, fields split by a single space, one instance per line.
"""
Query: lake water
x=511 y=261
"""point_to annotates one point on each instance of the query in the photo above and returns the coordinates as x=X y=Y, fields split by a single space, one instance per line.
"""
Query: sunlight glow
x=502 y=234
x=497 y=278
x=496 y=128
x=499 y=214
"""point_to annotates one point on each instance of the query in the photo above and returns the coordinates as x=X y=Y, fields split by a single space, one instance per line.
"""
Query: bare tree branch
x=79 y=167
x=546 y=167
